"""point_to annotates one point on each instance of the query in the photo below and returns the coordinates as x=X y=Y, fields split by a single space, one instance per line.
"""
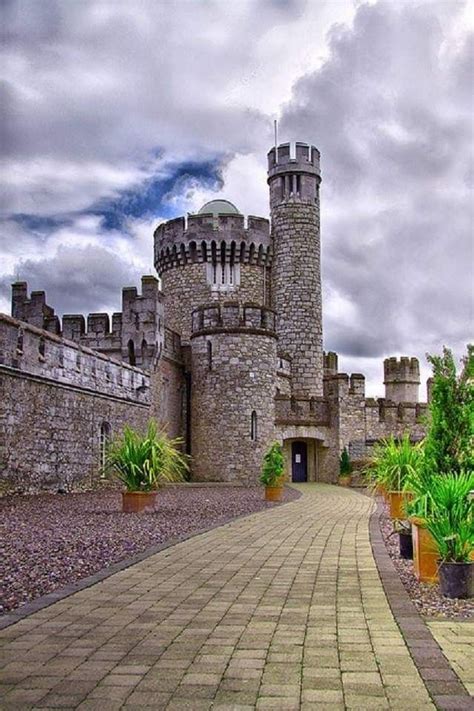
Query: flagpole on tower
x=275 y=123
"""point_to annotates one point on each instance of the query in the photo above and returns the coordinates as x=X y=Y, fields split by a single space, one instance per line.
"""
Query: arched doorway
x=299 y=461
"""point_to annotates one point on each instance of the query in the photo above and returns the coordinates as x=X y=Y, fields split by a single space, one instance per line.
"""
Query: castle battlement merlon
x=232 y=316
x=401 y=379
x=204 y=237
x=306 y=159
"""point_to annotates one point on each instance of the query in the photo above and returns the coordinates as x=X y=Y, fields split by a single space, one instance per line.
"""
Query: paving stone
x=280 y=610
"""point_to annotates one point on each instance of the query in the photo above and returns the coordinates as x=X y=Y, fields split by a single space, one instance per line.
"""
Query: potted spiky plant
x=272 y=475
x=451 y=524
x=393 y=462
x=345 y=468
x=144 y=463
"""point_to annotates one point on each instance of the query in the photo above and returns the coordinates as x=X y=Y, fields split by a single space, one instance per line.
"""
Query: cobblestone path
x=281 y=610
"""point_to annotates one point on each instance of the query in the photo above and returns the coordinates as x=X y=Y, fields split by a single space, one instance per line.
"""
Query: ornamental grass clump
x=451 y=517
x=394 y=462
x=144 y=462
x=273 y=466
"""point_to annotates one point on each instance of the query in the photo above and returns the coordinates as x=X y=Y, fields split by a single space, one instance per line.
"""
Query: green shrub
x=345 y=464
x=449 y=444
x=146 y=462
x=393 y=462
x=451 y=517
x=273 y=465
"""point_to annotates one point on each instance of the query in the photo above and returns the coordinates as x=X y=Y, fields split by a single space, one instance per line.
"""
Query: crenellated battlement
x=401 y=379
x=301 y=411
x=133 y=335
x=209 y=238
x=300 y=157
x=233 y=317
x=35 y=352
x=402 y=369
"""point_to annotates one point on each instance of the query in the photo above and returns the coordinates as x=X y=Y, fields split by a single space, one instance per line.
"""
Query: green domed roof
x=219 y=207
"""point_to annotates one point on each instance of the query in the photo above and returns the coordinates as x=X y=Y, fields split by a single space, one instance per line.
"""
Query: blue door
x=299 y=461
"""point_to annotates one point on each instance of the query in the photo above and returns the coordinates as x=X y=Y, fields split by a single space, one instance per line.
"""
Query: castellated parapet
x=296 y=273
x=212 y=257
x=134 y=335
x=234 y=360
x=401 y=379
x=40 y=354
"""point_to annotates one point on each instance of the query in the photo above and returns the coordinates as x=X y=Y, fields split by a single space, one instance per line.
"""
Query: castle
x=226 y=352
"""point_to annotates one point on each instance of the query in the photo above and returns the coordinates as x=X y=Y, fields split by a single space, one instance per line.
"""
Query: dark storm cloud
x=77 y=279
x=391 y=113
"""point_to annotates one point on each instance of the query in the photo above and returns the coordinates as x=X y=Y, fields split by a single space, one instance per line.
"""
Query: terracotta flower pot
x=344 y=480
x=273 y=493
x=455 y=579
x=138 y=501
x=397 y=501
x=425 y=552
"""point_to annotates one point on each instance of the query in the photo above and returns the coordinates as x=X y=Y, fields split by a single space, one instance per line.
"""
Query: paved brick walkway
x=280 y=610
x=456 y=639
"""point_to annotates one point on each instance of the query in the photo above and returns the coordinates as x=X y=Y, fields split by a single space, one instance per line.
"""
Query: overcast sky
x=118 y=114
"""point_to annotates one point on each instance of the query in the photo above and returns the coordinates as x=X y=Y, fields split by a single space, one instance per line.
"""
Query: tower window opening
x=19 y=342
x=131 y=352
x=214 y=273
x=223 y=273
x=104 y=439
x=298 y=184
x=253 y=426
x=41 y=347
x=231 y=274
x=209 y=355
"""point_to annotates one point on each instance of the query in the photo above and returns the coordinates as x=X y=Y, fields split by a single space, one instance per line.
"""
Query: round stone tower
x=214 y=255
x=296 y=273
x=401 y=379
x=234 y=358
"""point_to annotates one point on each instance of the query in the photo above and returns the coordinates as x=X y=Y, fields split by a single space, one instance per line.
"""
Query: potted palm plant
x=345 y=468
x=392 y=463
x=272 y=472
x=144 y=463
x=451 y=524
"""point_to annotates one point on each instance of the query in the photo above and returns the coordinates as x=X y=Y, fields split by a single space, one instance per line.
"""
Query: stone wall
x=186 y=287
x=233 y=377
x=56 y=397
x=168 y=387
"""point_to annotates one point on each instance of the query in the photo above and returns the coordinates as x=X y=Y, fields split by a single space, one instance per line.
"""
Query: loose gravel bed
x=50 y=540
x=426 y=597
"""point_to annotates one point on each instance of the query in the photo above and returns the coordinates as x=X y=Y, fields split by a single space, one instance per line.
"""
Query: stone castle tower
x=296 y=274
x=226 y=353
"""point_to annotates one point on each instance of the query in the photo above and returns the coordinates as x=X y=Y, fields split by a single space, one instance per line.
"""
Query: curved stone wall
x=233 y=365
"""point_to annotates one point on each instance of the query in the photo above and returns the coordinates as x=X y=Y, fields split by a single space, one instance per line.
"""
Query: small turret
x=401 y=379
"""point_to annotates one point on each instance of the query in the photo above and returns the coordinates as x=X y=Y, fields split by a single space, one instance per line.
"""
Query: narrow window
x=61 y=357
x=214 y=273
x=105 y=431
x=78 y=361
x=253 y=426
x=41 y=347
x=144 y=352
x=19 y=342
x=223 y=273
x=131 y=352
x=298 y=184
x=231 y=274
x=209 y=355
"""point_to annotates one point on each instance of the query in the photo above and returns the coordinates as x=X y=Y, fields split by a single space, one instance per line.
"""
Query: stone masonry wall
x=296 y=285
x=231 y=381
x=55 y=397
x=185 y=288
